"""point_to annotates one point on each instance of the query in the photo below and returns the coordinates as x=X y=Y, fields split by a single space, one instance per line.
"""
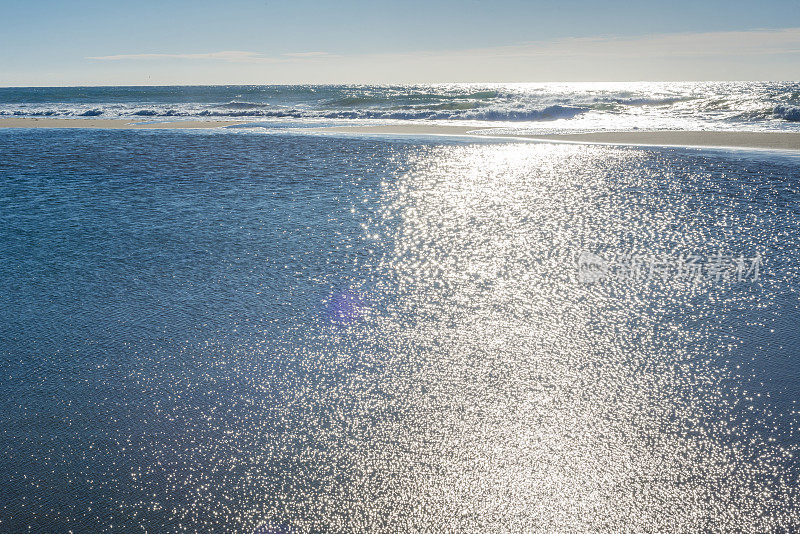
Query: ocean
x=259 y=330
x=542 y=106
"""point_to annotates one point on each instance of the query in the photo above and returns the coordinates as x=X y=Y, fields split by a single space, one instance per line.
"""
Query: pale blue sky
x=275 y=41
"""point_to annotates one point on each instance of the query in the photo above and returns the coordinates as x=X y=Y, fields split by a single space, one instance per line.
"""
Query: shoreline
x=717 y=139
x=683 y=138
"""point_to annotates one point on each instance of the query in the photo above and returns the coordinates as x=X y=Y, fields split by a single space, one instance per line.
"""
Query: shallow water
x=232 y=332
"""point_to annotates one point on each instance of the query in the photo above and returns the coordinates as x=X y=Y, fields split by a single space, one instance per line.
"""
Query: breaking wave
x=787 y=113
x=643 y=105
x=513 y=115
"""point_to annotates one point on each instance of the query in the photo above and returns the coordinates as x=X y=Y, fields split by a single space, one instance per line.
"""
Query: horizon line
x=384 y=84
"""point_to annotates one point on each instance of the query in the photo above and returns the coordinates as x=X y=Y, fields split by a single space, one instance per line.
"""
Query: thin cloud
x=230 y=56
x=708 y=44
x=729 y=55
x=233 y=56
x=750 y=42
x=310 y=55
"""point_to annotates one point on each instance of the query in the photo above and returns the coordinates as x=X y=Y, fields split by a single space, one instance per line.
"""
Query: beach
x=767 y=140
x=392 y=267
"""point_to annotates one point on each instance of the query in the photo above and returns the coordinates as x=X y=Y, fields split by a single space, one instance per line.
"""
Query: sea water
x=225 y=331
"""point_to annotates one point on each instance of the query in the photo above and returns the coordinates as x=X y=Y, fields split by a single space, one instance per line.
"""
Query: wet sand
x=769 y=140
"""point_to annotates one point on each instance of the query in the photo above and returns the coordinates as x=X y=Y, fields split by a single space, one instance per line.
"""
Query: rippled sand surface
x=247 y=333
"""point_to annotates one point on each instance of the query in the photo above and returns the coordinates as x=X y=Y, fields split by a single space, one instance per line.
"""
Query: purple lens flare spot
x=345 y=307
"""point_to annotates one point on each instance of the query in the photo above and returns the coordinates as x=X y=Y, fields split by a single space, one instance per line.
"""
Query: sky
x=176 y=42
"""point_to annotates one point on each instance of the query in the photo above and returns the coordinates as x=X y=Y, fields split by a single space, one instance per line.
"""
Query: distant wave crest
x=234 y=104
